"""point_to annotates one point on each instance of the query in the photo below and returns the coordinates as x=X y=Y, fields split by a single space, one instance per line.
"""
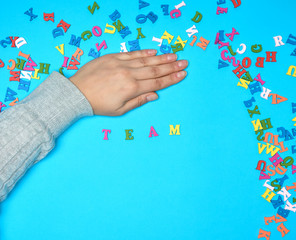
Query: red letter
x=260 y=62
x=270 y=56
x=48 y=17
x=239 y=71
x=64 y=25
x=236 y=3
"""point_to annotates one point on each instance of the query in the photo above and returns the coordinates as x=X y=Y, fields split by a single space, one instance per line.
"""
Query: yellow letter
x=175 y=130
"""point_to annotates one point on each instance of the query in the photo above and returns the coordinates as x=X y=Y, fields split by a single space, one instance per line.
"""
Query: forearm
x=29 y=129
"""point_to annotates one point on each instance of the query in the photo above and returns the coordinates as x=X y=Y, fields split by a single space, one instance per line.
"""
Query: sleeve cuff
x=58 y=103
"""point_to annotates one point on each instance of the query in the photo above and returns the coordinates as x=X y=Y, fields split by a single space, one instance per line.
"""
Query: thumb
x=139 y=101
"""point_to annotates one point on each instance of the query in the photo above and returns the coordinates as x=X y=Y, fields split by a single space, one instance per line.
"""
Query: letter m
x=175 y=130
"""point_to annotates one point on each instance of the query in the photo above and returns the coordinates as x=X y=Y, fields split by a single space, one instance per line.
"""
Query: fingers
x=150 y=61
x=157 y=71
x=136 y=54
x=160 y=83
x=147 y=95
x=139 y=101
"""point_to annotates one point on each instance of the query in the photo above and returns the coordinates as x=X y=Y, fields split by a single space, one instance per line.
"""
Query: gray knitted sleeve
x=28 y=130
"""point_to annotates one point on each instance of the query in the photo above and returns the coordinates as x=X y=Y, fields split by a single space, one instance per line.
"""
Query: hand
x=117 y=83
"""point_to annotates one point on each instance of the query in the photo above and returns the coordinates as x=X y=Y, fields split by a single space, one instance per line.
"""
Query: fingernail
x=152 y=52
x=172 y=57
x=182 y=63
x=151 y=97
x=181 y=74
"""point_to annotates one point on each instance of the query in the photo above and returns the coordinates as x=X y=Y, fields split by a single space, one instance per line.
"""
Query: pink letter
x=106 y=133
x=153 y=132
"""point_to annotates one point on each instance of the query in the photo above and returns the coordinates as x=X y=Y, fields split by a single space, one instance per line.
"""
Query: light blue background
x=200 y=185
